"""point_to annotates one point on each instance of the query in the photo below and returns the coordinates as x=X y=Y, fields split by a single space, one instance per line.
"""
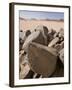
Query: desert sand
x=32 y=24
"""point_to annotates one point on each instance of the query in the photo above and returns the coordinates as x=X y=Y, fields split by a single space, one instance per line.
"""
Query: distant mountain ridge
x=42 y=19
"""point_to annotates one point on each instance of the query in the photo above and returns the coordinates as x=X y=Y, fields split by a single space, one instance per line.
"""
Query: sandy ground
x=32 y=24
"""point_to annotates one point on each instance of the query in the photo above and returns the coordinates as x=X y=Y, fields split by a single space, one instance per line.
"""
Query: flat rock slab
x=42 y=60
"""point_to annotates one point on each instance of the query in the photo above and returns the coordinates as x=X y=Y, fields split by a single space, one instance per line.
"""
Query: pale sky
x=41 y=15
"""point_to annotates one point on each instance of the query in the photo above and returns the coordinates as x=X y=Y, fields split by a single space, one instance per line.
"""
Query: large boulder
x=44 y=30
x=42 y=60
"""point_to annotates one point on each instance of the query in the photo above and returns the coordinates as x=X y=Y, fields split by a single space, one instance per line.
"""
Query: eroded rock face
x=42 y=60
x=38 y=36
x=43 y=29
x=53 y=42
x=44 y=33
x=30 y=38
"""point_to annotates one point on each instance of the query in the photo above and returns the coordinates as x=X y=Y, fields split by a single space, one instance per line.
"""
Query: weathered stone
x=23 y=64
x=53 y=42
x=29 y=39
x=61 y=56
x=40 y=39
x=52 y=32
x=56 y=34
x=24 y=71
x=50 y=36
x=21 y=35
x=29 y=75
x=61 y=32
x=28 y=32
x=35 y=36
x=44 y=31
x=34 y=76
x=62 y=44
x=21 y=39
x=42 y=60
x=59 y=71
x=57 y=47
x=23 y=58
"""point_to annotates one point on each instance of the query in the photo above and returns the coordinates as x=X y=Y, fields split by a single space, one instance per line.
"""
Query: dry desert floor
x=32 y=24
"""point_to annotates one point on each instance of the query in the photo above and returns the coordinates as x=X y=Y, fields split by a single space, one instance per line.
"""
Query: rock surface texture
x=41 y=53
x=42 y=59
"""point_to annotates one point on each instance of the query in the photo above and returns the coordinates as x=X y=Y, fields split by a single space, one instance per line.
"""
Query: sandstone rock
x=53 y=42
x=42 y=60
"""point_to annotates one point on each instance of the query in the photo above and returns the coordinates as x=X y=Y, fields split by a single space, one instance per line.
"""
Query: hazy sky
x=41 y=15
